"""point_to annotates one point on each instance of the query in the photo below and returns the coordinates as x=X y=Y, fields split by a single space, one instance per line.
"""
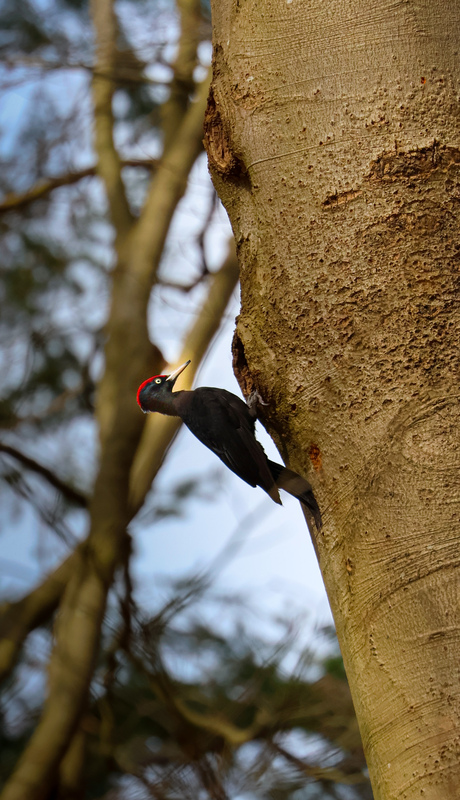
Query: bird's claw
x=253 y=400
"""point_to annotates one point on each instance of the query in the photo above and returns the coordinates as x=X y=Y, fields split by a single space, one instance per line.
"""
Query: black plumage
x=226 y=425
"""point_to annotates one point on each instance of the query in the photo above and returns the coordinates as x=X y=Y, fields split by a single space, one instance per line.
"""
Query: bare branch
x=167 y=188
x=214 y=722
x=109 y=164
x=204 y=228
x=121 y=74
x=182 y=85
x=317 y=773
x=70 y=781
x=15 y=201
x=210 y=779
x=67 y=491
x=19 y=618
x=47 y=512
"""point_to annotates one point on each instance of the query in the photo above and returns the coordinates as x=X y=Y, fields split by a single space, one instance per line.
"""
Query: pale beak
x=178 y=371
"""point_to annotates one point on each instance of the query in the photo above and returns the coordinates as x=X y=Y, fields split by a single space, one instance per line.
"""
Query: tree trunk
x=333 y=134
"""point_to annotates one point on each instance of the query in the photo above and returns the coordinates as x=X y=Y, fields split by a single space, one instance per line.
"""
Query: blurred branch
x=183 y=84
x=67 y=491
x=167 y=188
x=47 y=512
x=109 y=164
x=160 y=431
x=210 y=779
x=233 y=735
x=204 y=271
x=120 y=74
x=215 y=723
x=213 y=205
x=15 y=201
x=70 y=781
x=19 y=618
x=321 y=774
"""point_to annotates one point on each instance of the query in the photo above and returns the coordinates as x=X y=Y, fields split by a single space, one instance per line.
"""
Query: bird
x=226 y=425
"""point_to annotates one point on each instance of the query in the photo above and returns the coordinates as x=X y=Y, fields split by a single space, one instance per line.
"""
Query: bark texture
x=333 y=136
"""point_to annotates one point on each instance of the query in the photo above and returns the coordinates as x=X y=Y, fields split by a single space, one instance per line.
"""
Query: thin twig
x=13 y=201
x=66 y=490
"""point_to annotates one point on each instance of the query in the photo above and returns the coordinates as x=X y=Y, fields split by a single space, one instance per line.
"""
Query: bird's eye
x=157 y=380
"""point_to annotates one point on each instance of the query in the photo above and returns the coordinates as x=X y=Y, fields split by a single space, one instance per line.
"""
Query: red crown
x=144 y=383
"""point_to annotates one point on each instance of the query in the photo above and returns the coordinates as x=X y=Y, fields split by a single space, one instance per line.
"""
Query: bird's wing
x=221 y=421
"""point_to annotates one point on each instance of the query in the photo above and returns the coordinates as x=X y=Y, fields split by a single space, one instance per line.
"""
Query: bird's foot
x=254 y=400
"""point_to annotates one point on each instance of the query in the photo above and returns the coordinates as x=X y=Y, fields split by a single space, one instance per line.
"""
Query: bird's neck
x=167 y=406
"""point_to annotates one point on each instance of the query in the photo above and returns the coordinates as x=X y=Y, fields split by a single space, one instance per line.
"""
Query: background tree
x=97 y=146
x=333 y=134
x=138 y=227
x=177 y=709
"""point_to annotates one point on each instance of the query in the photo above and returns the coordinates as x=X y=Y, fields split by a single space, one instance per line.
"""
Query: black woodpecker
x=225 y=424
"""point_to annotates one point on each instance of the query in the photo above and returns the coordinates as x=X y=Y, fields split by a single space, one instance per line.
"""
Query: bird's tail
x=294 y=484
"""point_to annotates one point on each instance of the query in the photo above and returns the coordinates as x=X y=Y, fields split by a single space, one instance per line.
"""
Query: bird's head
x=154 y=393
